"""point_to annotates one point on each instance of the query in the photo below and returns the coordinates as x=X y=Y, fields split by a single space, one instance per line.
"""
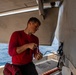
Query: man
x=24 y=45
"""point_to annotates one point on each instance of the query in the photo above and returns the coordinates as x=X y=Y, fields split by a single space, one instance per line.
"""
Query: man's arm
x=25 y=47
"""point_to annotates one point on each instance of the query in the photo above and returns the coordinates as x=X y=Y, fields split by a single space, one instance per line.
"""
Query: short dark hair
x=34 y=19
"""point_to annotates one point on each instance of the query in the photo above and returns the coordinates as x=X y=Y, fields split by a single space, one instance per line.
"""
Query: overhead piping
x=28 y=9
x=11 y=12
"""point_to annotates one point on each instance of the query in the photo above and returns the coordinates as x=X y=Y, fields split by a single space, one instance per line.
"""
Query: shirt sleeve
x=13 y=44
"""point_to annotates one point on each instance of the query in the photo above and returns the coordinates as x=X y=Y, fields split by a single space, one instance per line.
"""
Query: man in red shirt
x=24 y=45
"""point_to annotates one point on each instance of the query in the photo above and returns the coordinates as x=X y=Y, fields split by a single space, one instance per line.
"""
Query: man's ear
x=30 y=23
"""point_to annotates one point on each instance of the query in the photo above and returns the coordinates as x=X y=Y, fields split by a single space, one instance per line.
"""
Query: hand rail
x=51 y=71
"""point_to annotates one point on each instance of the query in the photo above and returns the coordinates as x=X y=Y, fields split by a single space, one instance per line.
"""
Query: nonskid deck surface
x=45 y=66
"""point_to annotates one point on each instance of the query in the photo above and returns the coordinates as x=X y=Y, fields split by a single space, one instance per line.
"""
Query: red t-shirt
x=20 y=38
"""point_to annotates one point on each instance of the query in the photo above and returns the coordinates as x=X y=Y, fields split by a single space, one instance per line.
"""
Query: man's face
x=33 y=27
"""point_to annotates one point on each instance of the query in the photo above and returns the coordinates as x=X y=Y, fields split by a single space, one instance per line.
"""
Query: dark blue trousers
x=28 y=69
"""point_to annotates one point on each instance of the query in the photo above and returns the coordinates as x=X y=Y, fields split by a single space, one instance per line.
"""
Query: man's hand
x=32 y=46
x=38 y=56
